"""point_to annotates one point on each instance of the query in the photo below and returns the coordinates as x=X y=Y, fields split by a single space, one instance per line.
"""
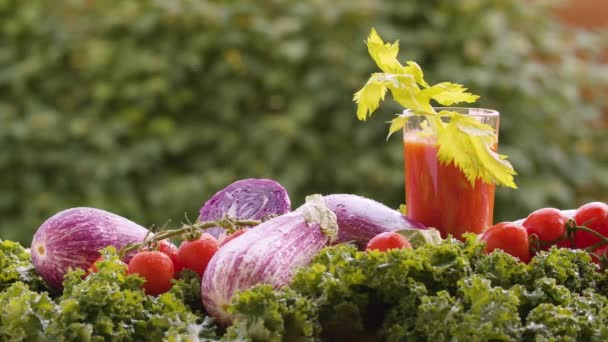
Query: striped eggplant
x=360 y=218
x=268 y=254
x=72 y=238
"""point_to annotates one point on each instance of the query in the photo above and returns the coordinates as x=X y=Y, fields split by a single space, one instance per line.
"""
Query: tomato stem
x=192 y=229
x=603 y=239
x=534 y=243
x=571 y=228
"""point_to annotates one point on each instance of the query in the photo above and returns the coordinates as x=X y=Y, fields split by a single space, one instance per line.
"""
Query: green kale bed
x=446 y=292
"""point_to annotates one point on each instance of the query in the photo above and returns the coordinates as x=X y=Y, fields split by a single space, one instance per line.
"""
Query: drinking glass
x=438 y=194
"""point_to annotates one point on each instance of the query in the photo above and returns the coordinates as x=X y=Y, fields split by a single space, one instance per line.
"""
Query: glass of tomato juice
x=438 y=194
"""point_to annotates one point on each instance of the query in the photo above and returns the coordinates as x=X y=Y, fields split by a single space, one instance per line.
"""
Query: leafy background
x=146 y=108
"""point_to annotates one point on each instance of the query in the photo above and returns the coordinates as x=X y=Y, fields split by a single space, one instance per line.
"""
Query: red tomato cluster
x=159 y=267
x=547 y=227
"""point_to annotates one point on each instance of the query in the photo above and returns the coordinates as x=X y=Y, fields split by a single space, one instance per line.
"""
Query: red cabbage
x=247 y=199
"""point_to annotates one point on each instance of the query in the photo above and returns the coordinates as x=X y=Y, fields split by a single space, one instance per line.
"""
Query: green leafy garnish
x=418 y=237
x=448 y=291
x=16 y=265
x=107 y=305
x=402 y=209
x=464 y=141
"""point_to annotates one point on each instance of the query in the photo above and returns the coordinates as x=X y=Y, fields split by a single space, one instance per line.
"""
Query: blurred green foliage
x=146 y=108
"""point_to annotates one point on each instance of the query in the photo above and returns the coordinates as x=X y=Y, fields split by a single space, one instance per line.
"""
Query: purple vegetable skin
x=268 y=254
x=247 y=199
x=73 y=238
x=360 y=218
x=273 y=251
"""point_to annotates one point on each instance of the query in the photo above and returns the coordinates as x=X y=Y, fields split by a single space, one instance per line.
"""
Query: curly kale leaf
x=25 y=313
x=451 y=291
x=548 y=322
x=437 y=316
x=338 y=285
x=365 y=293
x=544 y=290
x=263 y=314
x=110 y=305
x=571 y=268
x=400 y=322
x=501 y=269
x=601 y=333
x=16 y=265
x=444 y=265
x=343 y=269
x=187 y=287
x=491 y=312
x=479 y=310
x=590 y=309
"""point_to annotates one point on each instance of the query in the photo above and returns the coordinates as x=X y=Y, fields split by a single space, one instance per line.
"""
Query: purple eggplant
x=73 y=238
x=269 y=254
x=360 y=218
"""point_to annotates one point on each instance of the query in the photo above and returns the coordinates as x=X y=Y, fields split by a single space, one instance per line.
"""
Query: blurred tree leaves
x=146 y=108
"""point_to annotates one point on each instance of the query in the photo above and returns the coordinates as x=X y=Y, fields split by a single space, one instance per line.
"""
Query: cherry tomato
x=564 y=244
x=171 y=251
x=388 y=240
x=168 y=248
x=593 y=215
x=234 y=236
x=509 y=237
x=195 y=255
x=156 y=268
x=601 y=252
x=549 y=224
x=93 y=268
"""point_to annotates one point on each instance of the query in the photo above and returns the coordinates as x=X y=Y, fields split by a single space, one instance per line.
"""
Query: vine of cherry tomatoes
x=159 y=266
x=546 y=227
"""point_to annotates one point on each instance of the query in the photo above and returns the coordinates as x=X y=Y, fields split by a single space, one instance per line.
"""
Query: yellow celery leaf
x=415 y=70
x=467 y=143
x=397 y=124
x=432 y=124
x=412 y=98
x=385 y=55
x=368 y=98
x=447 y=93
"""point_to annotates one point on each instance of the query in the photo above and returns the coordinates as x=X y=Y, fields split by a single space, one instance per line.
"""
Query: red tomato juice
x=440 y=196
